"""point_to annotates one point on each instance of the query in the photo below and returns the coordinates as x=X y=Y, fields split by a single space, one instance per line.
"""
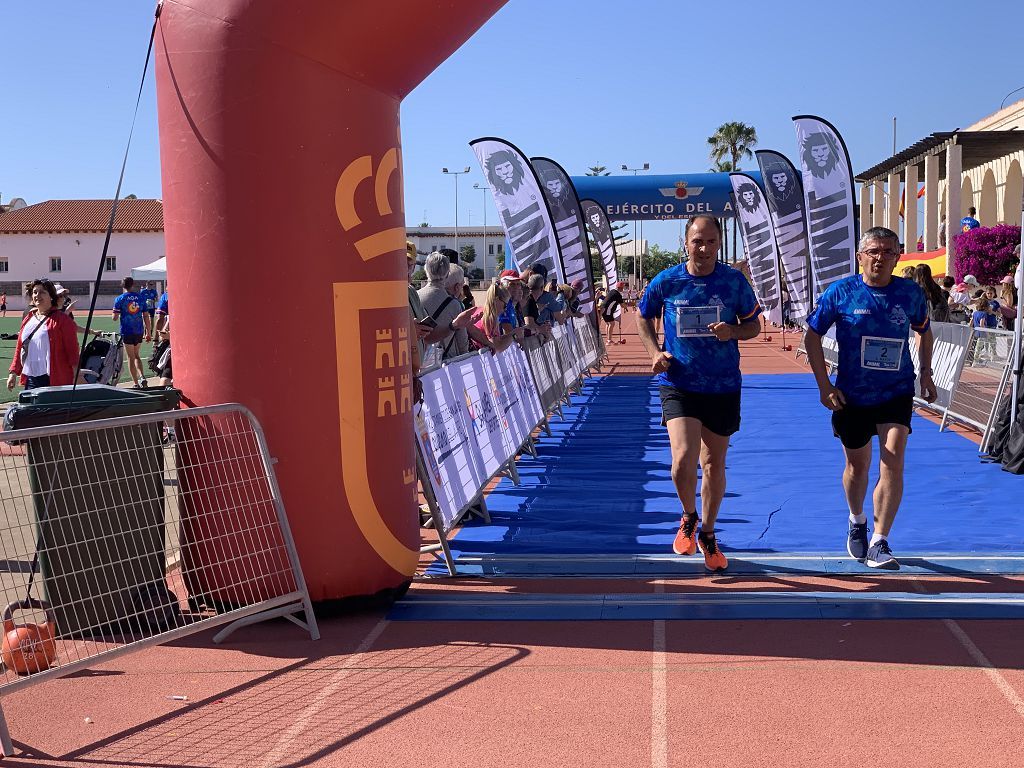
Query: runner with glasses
x=873 y=313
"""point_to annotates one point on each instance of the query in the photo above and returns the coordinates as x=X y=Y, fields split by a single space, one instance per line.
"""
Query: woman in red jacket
x=47 y=350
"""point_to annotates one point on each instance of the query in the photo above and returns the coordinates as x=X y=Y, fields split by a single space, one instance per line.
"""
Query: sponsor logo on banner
x=680 y=191
x=828 y=195
x=569 y=226
x=521 y=205
x=758 y=244
x=784 y=191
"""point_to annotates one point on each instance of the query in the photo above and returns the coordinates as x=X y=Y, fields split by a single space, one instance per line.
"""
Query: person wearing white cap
x=961 y=293
x=64 y=303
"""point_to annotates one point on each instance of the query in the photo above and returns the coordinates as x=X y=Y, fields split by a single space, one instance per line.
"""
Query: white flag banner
x=521 y=205
x=447 y=447
x=758 y=244
x=828 y=196
x=567 y=214
x=784 y=189
x=601 y=229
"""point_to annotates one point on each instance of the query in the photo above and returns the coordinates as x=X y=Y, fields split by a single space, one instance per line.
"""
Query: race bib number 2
x=881 y=354
x=694 y=321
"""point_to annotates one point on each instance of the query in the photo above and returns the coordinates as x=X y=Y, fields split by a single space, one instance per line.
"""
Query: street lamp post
x=638 y=268
x=456 y=174
x=487 y=191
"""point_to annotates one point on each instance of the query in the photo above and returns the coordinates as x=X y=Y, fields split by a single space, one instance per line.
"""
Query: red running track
x=556 y=693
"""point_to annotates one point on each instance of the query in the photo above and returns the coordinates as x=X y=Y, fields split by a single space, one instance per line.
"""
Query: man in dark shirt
x=611 y=312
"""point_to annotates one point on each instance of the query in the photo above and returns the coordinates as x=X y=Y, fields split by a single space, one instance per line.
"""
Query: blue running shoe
x=880 y=556
x=857 y=540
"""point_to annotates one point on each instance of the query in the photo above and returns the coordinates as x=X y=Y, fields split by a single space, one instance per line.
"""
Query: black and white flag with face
x=601 y=229
x=828 y=194
x=521 y=205
x=567 y=213
x=758 y=244
x=784 y=190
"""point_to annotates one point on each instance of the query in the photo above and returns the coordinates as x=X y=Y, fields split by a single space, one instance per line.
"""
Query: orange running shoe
x=714 y=560
x=686 y=539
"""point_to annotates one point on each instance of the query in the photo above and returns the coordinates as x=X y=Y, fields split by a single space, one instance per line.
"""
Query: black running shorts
x=719 y=411
x=132 y=339
x=855 y=425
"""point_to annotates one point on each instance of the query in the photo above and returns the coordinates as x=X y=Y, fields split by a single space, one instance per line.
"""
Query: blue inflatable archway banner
x=660 y=197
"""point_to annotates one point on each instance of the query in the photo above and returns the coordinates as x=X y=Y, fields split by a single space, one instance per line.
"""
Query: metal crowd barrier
x=122 y=533
x=984 y=380
x=452 y=480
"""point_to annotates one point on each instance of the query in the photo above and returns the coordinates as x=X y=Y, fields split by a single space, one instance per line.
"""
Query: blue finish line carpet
x=601 y=486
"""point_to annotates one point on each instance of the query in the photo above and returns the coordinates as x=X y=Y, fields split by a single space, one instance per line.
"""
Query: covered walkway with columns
x=934 y=160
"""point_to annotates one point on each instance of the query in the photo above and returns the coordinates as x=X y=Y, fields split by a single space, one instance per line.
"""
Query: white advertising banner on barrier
x=447 y=446
x=566 y=360
x=585 y=337
x=472 y=390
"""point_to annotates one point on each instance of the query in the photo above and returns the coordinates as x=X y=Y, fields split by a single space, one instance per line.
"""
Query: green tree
x=732 y=142
x=658 y=259
x=597 y=170
x=467 y=254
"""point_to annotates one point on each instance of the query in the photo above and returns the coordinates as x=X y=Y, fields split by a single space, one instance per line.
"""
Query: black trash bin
x=98 y=498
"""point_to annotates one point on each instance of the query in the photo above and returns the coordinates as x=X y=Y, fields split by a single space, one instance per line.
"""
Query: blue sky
x=583 y=81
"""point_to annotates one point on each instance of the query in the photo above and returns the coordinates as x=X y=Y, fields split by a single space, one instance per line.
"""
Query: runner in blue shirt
x=135 y=328
x=873 y=313
x=148 y=296
x=707 y=308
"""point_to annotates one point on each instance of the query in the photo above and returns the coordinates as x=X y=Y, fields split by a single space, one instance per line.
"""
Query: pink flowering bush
x=986 y=253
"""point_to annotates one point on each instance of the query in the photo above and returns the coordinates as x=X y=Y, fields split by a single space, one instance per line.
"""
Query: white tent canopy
x=156 y=270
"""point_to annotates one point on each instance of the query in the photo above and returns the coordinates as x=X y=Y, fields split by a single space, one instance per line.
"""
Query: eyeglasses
x=880 y=253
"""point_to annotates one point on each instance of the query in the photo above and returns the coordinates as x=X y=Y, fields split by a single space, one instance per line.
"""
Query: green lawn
x=12 y=322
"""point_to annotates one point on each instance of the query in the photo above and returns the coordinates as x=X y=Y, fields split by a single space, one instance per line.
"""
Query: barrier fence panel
x=127 y=532
x=549 y=384
x=984 y=379
x=588 y=345
x=948 y=355
x=567 y=360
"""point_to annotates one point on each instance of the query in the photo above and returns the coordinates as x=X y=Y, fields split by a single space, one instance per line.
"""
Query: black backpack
x=158 y=351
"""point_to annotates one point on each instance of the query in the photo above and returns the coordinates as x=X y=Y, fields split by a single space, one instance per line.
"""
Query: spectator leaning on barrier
x=1008 y=302
x=135 y=328
x=489 y=323
x=442 y=310
x=541 y=306
x=47 y=350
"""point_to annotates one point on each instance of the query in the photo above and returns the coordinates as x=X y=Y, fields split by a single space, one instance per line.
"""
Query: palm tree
x=724 y=166
x=729 y=144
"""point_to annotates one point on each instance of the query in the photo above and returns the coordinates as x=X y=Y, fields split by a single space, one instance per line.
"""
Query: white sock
x=877 y=537
x=858 y=519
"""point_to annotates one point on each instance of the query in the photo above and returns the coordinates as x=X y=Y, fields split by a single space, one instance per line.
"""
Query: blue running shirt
x=131 y=308
x=873 y=330
x=700 y=362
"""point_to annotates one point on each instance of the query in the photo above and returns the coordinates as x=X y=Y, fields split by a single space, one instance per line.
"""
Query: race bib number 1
x=880 y=354
x=694 y=321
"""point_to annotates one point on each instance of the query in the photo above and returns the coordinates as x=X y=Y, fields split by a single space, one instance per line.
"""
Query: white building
x=62 y=240
x=488 y=244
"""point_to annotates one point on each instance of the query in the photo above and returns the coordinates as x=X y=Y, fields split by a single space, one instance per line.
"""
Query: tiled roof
x=84 y=216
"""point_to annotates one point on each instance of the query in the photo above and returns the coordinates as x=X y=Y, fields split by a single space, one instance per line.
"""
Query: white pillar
x=878 y=204
x=865 y=207
x=910 y=209
x=931 y=202
x=892 y=210
x=954 y=173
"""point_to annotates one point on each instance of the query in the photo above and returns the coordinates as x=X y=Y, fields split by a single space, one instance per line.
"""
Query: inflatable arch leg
x=285 y=234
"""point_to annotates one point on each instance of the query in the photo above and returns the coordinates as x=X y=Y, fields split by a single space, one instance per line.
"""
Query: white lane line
x=980 y=659
x=659 y=693
x=986 y=666
x=283 y=749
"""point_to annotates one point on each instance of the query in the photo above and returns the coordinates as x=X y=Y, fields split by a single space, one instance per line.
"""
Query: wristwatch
x=929 y=371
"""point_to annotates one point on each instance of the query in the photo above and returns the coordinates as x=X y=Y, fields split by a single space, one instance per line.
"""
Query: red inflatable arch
x=282 y=182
